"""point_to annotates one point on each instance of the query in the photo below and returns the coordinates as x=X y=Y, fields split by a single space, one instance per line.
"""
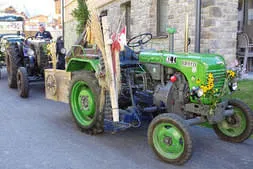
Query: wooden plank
x=57 y=85
x=111 y=79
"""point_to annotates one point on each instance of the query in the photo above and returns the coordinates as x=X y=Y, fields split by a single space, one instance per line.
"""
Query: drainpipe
x=198 y=26
x=62 y=19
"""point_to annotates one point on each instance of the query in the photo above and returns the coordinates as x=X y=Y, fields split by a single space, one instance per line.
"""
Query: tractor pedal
x=115 y=127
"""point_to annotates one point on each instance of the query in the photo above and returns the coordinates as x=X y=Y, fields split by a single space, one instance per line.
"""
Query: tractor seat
x=129 y=63
x=91 y=53
x=128 y=58
x=92 y=56
x=128 y=54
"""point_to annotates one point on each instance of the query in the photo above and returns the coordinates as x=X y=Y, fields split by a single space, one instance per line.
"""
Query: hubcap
x=168 y=140
x=83 y=103
x=235 y=125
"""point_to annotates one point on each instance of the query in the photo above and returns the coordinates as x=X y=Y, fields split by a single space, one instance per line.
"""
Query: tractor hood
x=196 y=67
x=165 y=58
x=185 y=62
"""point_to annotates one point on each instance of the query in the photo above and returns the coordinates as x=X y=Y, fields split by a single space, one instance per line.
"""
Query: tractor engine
x=168 y=94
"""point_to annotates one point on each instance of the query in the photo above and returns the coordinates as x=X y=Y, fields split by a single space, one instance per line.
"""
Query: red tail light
x=173 y=79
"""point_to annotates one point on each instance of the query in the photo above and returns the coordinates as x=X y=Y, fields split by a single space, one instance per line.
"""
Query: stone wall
x=140 y=15
x=70 y=35
x=219 y=23
x=219 y=28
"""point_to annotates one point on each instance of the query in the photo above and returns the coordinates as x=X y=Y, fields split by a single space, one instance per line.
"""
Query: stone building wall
x=140 y=15
x=219 y=28
x=219 y=23
x=70 y=35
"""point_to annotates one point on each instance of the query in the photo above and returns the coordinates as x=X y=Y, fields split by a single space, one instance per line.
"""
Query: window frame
x=158 y=17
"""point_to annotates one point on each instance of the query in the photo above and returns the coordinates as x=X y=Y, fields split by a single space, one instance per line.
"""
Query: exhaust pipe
x=171 y=32
x=186 y=40
x=198 y=26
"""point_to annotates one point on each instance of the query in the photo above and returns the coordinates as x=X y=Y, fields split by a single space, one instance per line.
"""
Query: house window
x=250 y=12
x=127 y=8
x=162 y=17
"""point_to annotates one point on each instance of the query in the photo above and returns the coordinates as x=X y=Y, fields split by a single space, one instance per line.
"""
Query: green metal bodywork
x=76 y=64
x=194 y=66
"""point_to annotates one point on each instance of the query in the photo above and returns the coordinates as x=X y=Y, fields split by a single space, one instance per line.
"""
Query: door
x=248 y=18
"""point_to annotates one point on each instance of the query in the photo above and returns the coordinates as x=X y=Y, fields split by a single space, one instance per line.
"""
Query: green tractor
x=171 y=90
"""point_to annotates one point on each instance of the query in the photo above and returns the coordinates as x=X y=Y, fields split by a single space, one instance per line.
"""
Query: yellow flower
x=231 y=74
x=198 y=81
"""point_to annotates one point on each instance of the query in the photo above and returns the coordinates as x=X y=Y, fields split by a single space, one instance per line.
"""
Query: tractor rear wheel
x=170 y=139
x=238 y=127
x=23 y=82
x=13 y=61
x=84 y=102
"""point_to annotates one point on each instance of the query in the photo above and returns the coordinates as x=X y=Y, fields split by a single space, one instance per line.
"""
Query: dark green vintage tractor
x=171 y=90
x=27 y=60
x=5 y=40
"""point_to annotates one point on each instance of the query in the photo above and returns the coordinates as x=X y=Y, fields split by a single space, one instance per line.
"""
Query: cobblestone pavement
x=36 y=133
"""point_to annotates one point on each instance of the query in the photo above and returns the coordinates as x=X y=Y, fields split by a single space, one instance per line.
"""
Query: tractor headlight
x=199 y=92
x=30 y=52
x=233 y=86
x=63 y=51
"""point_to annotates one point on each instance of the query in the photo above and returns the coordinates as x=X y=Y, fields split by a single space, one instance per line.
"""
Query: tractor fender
x=77 y=64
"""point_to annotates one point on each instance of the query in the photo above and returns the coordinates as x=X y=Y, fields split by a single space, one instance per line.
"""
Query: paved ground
x=36 y=133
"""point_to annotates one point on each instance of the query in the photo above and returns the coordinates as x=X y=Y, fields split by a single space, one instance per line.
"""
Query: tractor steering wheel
x=139 y=40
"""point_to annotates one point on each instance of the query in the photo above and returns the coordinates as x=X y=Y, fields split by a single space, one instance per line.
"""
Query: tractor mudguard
x=76 y=64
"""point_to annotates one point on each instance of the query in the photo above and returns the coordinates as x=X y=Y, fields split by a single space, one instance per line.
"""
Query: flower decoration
x=210 y=84
x=50 y=48
x=231 y=74
x=198 y=81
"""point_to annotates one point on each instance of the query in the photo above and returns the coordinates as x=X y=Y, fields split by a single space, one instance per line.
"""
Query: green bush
x=81 y=14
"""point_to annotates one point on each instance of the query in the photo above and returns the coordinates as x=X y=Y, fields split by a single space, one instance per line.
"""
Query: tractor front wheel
x=169 y=137
x=238 y=127
x=84 y=102
x=22 y=82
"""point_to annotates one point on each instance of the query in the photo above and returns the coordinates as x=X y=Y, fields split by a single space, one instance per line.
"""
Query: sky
x=30 y=7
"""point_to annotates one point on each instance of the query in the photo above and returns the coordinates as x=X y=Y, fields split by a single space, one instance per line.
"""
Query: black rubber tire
x=249 y=124
x=97 y=126
x=13 y=61
x=22 y=82
x=180 y=123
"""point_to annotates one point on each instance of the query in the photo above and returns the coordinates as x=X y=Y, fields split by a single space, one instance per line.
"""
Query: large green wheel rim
x=235 y=125
x=168 y=140
x=83 y=103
